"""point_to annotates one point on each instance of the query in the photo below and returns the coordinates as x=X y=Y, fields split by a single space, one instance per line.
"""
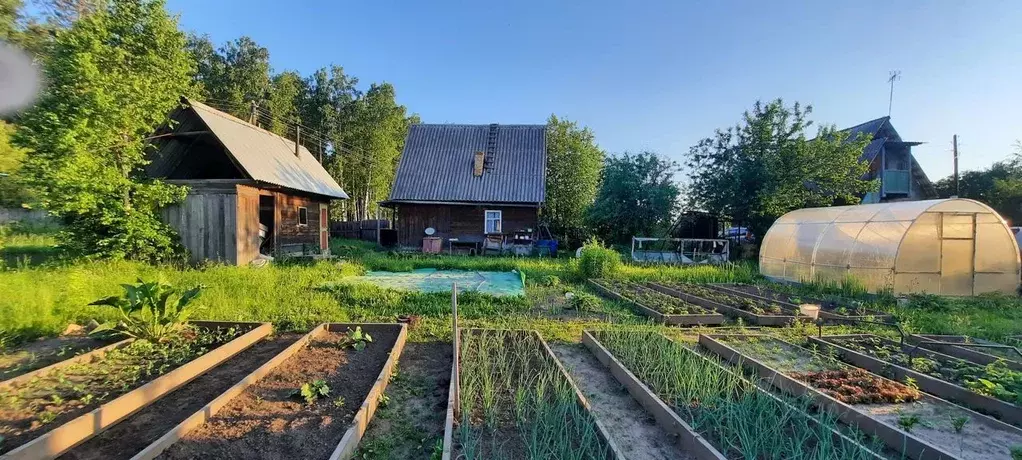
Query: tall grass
x=739 y=421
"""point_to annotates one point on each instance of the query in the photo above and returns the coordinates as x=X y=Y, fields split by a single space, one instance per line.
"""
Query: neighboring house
x=890 y=160
x=468 y=181
x=250 y=192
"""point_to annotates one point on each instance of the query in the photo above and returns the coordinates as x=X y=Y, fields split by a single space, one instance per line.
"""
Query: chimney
x=298 y=139
x=477 y=167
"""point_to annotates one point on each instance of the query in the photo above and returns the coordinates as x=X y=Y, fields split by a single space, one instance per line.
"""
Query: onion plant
x=515 y=402
x=739 y=420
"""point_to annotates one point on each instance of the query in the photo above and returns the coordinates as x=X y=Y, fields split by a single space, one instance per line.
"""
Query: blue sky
x=660 y=75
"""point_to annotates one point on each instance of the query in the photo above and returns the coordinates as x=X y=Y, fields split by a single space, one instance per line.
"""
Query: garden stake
x=457 y=349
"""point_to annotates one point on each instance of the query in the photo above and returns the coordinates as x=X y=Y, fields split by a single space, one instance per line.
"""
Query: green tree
x=10 y=11
x=764 y=167
x=999 y=186
x=372 y=134
x=637 y=197
x=574 y=163
x=233 y=76
x=112 y=79
x=286 y=98
x=13 y=192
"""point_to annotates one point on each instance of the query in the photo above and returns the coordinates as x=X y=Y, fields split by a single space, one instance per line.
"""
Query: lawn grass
x=22 y=246
x=41 y=300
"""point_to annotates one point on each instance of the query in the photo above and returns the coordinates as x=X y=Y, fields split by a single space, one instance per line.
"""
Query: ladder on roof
x=491 y=149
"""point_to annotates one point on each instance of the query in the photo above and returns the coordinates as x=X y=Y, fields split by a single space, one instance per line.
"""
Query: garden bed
x=312 y=400
x=37 y=357
x=715 y=412
x=516 y=401
x=978 y=355
x=754 y=312
x=993 y=389
x=830 y=308
x=135 y=433
x=908 y=421
x=652 y=303
x=52 y=412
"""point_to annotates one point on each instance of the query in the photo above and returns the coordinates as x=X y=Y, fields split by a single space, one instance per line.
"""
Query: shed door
x=957 y=250
x=324 y=228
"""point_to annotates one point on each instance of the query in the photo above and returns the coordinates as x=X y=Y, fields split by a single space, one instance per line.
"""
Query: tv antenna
x=895 y=75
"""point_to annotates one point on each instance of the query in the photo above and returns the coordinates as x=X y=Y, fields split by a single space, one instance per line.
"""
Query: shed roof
x=437 y=164
x=262 y=155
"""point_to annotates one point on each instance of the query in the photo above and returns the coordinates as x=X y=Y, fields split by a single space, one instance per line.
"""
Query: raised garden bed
x=652 y=303
x=754 y=312
x=715 y=412
x=992 y=389
x=133 y=434
x=906 y=420
x=52 y=412
x=312 y=400
x=516 y=401
x=830 y=308
x=978 y=355
x=37 y=357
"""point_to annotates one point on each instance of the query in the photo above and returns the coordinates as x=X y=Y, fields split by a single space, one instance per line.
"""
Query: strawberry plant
x=654 y=299
x=742 y=303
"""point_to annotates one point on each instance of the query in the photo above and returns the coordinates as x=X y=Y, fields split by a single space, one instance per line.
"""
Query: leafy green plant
x=958 y=423
x=46 y=417
x=598 y=261
x=584 y=301
x=1016 y=452
x=147 y=313
x=355 y=339
x=907 y=422
x=312 y=391
x=339 y=402
x=384 y=400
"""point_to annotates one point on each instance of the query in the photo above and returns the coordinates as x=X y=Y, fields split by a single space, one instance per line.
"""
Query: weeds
x=145 y=312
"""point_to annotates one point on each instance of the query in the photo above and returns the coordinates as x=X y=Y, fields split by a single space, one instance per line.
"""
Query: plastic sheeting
x=954 y=247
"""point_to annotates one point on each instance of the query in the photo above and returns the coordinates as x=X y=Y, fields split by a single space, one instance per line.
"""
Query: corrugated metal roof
x=436 y=164
x=267 y=157
x=869 y=128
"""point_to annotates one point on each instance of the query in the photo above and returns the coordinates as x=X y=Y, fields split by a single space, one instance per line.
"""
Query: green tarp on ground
x=433 y=280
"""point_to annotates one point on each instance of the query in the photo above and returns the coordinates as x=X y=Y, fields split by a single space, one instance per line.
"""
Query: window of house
x=303 y=216
x=493 y=222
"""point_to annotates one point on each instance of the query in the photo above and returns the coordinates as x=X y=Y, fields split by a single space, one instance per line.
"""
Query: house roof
x=870 y=129
x=264 y=156
x=437 y=164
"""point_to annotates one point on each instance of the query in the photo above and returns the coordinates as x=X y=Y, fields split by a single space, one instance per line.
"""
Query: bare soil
x=412 y=424
x=267 y=421
x=630 y=426
x=42 y=353
x=980 y=439
x=136 y=432
x=829 y=306
x=31 y=409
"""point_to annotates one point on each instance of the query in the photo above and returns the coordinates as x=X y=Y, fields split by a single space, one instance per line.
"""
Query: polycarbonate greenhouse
x=954 y=247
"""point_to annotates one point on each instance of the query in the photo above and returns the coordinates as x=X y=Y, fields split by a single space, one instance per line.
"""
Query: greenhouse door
x=958 y=248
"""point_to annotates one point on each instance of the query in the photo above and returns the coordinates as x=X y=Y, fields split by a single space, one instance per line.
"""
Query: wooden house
x=468 y=182
x=251 y=191
x=890 y=160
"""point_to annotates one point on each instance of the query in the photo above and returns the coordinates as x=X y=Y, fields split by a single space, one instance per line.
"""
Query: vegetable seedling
x=958 y=423
x=312 y=391
x=908 y=422
x=355 y=339
x=339 y=402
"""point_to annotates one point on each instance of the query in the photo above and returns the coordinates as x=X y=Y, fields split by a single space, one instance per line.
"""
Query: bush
x=597 y=260
x=583 y=301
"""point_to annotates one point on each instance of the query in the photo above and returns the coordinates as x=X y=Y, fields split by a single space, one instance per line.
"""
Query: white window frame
x=499 y=219
x=300 y=209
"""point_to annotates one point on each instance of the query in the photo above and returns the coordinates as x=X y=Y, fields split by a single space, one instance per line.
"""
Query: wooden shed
x=251 y=191
x=469 y=182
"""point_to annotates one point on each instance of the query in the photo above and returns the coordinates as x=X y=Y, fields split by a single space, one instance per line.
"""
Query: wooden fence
x=357 y=229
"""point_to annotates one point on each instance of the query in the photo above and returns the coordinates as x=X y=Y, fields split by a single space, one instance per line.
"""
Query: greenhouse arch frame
x=955 y=247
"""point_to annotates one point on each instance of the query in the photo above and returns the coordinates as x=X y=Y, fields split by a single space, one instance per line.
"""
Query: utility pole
x=895 y=75
x=252 y=116
x=954 y=148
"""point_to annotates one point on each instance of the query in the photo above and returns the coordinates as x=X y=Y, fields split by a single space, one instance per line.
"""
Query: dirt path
x=631 y=427
x=412 y=425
